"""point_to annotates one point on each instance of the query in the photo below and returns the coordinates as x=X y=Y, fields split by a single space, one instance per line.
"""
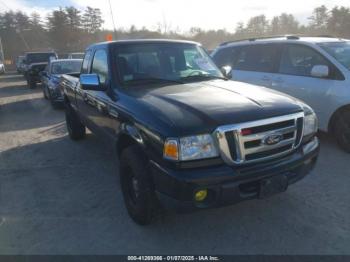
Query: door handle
x=88 y=99
x=112 y=112
x=101 y=107
x=101 y=104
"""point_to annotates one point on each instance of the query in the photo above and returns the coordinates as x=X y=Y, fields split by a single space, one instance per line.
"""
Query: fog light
x=200 y=195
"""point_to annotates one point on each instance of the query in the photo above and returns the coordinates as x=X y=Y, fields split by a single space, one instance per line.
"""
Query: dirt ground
x=63 y=197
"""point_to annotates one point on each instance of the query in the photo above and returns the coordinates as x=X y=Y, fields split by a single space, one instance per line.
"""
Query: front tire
x=342 y=130
x=45 y=92
x=31 y=83
x=76 y=129
x=137 y=187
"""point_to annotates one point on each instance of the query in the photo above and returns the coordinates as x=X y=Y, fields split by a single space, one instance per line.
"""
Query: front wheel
x=31 y=83
x=135 y=180
x=45 y=91
x=342 y=130
x=76 y=129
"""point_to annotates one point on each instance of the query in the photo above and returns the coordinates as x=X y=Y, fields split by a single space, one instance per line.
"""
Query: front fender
x=148 y=141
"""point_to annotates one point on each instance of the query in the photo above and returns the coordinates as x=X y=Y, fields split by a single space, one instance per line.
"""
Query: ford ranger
x=186 y=137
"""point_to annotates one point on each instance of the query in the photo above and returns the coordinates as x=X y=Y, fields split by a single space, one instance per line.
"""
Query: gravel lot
x=63 y=197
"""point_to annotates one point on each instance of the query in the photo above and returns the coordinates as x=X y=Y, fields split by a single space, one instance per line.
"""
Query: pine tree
x=92 y=20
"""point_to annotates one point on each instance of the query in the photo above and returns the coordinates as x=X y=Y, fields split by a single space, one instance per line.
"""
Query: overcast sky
x=181 y=14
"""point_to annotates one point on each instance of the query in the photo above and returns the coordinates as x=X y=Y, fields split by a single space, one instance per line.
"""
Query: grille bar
x=266 y=139
x=263 y=134
x=260 y=148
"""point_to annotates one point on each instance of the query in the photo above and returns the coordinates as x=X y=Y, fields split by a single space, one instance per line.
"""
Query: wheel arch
x=129 y=136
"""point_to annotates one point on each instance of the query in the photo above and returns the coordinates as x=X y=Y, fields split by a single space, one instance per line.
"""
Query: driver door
x=96 y=103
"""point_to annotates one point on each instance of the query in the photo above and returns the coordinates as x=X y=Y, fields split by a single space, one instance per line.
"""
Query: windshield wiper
x=154 y=79
x=205 y=77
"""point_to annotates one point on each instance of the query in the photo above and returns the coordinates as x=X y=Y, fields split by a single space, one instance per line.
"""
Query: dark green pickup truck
x=187 y=137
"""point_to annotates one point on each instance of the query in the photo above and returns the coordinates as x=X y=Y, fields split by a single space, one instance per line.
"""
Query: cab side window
x=100 y=65
x=86 y=62
x=257 y=58
x=226 y=56
x=299 y=60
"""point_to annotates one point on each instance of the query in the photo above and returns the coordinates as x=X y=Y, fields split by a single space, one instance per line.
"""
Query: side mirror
x=227 y=71
x=320 y=71
x=90 y=82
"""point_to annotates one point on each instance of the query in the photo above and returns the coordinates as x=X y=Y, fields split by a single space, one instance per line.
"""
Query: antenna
x=112 y=16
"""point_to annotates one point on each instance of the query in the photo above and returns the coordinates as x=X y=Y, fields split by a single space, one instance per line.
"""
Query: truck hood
x=203 y=106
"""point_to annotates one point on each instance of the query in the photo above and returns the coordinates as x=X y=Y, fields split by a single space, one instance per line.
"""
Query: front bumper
x=228 y=185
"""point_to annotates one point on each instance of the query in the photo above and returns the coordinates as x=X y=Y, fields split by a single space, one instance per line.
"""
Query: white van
x=313 y=69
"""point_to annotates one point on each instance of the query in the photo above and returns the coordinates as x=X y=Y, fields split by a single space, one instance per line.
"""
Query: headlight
x=310 y=121
x=190 y=148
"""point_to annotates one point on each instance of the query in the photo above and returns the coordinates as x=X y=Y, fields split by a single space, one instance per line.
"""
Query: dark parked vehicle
x=19 y=64
x=186 y=137
x=50 y=78
x=35 y=62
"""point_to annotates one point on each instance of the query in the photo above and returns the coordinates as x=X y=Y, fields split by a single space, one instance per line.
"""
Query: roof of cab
x=66 y=60
x=40 y=52
x=286 y=38
x=132 y=41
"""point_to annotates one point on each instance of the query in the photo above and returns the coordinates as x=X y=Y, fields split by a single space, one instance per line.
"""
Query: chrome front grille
x=260 y=140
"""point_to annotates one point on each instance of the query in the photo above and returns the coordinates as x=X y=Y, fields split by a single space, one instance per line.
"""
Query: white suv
x=313 y=69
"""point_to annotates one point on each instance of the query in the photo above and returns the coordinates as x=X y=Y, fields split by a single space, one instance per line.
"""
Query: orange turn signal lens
x=171 y=149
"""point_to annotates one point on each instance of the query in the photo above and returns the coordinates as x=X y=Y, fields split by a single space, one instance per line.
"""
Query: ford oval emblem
x=273 y=139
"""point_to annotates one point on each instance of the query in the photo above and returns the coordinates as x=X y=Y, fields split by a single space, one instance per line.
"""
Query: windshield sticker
x=204 y=64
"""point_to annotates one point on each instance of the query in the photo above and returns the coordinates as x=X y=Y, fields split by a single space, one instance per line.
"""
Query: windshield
x=340 y=51
x=159 y=62
x=39 y=57
x=66 y=67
